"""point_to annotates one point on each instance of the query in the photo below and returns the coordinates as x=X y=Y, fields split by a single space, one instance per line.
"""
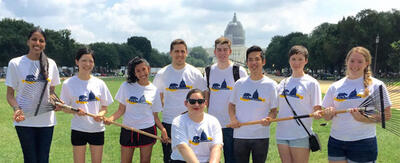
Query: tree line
x=62 y=48
x=329 y=43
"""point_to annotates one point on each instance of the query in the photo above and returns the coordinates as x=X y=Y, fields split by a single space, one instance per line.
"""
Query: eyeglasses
x=193 y=101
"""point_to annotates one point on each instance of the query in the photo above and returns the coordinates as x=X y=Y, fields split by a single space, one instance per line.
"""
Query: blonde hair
x=367 y=71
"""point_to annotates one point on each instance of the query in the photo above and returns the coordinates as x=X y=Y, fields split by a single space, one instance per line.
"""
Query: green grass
x=61 y=149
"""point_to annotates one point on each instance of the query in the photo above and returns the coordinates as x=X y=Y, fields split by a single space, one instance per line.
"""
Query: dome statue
x=234 y=31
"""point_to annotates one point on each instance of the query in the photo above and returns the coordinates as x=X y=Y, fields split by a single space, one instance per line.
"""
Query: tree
x=142 y=44
x=198 y=57
x=106 y=55
x=13 y=39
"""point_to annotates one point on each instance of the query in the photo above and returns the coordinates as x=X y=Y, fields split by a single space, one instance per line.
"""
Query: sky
x=198 y=22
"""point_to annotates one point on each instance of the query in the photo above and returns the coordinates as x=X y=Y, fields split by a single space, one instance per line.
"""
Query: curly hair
x=131 y=68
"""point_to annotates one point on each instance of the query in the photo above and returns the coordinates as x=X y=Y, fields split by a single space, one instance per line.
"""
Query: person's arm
x=18 y=115
x=271 y=115
x=207 y=97
x=232 y=115
x=160 y=126
x=99 y=117
x=373 y=118
x=162 y=99
x=328 y=113
x=215 y=153
x=187 y=153
x=121 y=111
x=317 y=112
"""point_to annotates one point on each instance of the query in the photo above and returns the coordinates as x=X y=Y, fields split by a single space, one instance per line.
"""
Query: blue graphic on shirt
x=344 y=96
x=202 y=138
x=249 y=97
x=30 y=79
x=223 y=86
x=83 y=99
x=175 y=86
x=135 y=100
x=292 y=93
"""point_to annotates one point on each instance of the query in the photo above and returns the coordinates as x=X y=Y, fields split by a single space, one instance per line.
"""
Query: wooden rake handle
x=285 y=118
x=114 y=123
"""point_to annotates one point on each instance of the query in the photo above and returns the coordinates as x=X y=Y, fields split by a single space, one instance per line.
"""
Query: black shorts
x=82 y=138
x=131 y=139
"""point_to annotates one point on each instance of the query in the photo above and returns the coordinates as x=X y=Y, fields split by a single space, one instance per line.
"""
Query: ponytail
x=44 y=66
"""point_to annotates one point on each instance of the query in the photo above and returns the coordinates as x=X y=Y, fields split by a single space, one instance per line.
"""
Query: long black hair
x=131 y=68
x=44 y=63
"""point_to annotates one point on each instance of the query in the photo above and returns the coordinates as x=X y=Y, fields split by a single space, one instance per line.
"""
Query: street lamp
x=376 y=52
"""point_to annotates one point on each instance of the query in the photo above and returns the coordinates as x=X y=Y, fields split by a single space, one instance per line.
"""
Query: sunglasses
x=193 y=101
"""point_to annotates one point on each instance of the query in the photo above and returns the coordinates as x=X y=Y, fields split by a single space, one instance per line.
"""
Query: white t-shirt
x=21 y=73
x=140 y=102
x=345 y=94
x=253 y=100
x=303 y=94
x=221 y=85
x=175 y=84
x=89 y=95
x=200 y=137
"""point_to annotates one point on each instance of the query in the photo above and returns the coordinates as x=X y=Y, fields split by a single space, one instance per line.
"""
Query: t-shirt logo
x=174 y=86
x=353 y=95
x=83 y=99
x=202 y=138
x=292 y=93
x=249 y=97
x=142 y=100
x=31 y=79
x=216 y=86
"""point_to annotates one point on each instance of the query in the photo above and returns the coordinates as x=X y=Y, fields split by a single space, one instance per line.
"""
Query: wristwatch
x=16 y=108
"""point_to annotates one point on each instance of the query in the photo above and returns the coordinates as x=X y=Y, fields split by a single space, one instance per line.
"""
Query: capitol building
x=234 y=32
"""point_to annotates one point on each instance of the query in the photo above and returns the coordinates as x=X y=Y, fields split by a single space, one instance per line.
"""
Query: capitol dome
x=234 y=31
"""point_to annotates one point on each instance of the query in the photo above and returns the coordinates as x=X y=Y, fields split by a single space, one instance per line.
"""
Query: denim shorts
x=365 y=150
x=298 y=143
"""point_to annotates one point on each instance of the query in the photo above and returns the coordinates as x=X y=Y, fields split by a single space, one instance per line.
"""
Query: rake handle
x=114 y=123
x=285 y=118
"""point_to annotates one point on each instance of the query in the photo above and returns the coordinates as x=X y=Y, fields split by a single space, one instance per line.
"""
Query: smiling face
x=222 y=52
x=196 y=108
x=142 y=72
x=178 y=54
x=255 y=62
x=85 y=63
x=297 y=62
x=36 y=43
x=356 y=64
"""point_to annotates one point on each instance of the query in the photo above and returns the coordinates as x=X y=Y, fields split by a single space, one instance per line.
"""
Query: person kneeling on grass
x=139 y=103
x=196 y=136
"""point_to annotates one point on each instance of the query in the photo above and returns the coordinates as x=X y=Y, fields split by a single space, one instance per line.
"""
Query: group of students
x=182 y=93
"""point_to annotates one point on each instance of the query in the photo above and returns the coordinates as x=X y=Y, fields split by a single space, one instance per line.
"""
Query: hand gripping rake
x=54 y=100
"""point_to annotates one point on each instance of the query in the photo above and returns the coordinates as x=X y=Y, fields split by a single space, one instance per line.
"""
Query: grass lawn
x=61 y=149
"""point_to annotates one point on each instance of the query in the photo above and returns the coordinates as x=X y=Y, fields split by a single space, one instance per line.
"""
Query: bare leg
x=284 y=153
x=79 y=153
x=145 y=154
x=97 y=153
x=301 y=155
x=127 y=154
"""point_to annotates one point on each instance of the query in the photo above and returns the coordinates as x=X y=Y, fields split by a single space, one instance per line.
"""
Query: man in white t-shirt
x=253 y=98
x=220 y=79
x=174 y=81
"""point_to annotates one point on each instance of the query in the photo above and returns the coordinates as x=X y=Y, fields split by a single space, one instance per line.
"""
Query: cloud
x=198 y=22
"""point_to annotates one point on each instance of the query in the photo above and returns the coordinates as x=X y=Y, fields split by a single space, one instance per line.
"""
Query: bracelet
x=16 y=108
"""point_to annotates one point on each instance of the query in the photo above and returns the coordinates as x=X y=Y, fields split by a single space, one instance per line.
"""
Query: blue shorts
x=297 y=143
x=365 y=150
